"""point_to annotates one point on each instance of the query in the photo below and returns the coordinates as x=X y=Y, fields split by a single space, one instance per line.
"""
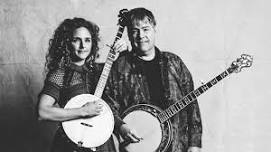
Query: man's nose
x=141 y=33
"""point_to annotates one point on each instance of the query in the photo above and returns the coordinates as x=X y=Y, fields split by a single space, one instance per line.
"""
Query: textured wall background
x=207 y=34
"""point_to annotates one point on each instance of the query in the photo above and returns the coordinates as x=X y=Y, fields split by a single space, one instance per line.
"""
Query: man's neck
x=148 y=56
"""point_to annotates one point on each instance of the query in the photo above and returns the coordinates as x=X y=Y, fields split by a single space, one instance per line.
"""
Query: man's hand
x=129 y=134
x=120 y=46
x=193 y=149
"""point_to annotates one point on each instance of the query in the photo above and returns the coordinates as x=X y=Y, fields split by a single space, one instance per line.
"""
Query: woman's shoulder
x=56 y=76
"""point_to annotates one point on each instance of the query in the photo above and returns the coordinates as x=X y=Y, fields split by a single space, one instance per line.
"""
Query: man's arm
x=194 y=117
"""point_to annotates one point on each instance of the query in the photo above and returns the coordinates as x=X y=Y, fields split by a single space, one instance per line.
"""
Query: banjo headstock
x=123 y=20
x=243 y=62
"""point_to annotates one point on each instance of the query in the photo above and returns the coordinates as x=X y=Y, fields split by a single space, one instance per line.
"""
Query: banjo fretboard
x=107 y=66
x=190 y=97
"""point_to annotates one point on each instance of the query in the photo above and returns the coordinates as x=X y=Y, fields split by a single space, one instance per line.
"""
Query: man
x=147 y=75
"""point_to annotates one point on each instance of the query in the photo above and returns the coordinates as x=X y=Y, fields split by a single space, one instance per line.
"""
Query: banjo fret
x=175 y=108
x=185 y=100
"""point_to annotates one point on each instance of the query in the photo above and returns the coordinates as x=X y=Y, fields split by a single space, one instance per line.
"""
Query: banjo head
x=156 y=136
x=94 y=131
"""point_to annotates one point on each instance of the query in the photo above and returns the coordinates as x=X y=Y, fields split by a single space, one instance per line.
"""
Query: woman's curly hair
x=59 y=51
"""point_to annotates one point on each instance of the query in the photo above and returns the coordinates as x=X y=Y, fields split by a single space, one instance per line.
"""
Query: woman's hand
x=48 y=110
x=92 y=109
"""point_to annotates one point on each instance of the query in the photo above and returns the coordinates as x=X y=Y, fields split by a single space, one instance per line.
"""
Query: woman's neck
x=79 y=63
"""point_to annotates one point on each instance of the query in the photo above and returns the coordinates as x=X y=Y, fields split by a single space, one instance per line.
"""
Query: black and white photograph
x=135 y=75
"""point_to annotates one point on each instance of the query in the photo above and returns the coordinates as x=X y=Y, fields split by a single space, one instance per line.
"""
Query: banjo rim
x=166 y=126
x=109 y=114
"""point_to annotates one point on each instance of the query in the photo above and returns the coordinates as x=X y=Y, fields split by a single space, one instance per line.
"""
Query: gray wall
x=207 y=34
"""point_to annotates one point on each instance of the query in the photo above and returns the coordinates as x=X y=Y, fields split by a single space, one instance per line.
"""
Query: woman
x=71 y=71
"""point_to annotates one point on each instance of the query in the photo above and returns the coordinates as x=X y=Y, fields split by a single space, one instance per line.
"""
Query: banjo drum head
x=147 y=127
x=98 y=129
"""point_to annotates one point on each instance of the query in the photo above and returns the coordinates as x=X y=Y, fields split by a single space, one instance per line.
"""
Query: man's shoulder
x=171 y=56
x=123 y=57
x=122 y=64
x=123 y=53
x=167 y=53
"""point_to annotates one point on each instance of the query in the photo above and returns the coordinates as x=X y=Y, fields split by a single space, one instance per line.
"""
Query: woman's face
x=81 y=43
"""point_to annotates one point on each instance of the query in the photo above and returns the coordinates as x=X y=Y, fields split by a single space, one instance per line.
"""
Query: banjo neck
x=236 y=66
x=190 y=97
x=107 y=66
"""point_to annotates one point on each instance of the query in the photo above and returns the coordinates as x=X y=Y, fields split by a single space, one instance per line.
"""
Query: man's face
x=142 y=36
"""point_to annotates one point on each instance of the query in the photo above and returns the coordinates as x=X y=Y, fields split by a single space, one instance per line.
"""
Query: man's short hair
x=139 y=14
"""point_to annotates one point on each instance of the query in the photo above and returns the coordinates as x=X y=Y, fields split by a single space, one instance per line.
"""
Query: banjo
x=94 y=131
x=153 y=124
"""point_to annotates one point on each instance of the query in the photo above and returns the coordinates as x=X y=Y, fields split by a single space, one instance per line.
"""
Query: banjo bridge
x=85 y=124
